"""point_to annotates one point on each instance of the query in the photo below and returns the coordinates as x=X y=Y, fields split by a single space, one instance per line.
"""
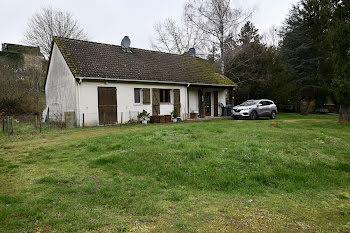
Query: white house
x=101 y=83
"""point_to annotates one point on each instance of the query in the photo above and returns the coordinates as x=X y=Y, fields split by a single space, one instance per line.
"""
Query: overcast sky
x=108 y=21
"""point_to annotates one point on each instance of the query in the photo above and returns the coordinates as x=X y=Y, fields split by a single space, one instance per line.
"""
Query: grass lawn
x=214 y=176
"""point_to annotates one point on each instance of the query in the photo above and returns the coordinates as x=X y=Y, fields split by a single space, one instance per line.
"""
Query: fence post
x=36 y=120
x=83 y=120
x=8 y=125
x=40 y=122
x=48 y=115
x=12 y=131
x=3 y=124
x=104 y=118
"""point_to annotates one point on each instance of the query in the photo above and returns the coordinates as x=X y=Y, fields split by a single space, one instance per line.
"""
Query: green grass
x=218 y=175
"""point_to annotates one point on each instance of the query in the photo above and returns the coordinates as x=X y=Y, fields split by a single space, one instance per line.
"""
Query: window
x=137 y=95
x=267 y=103
x=165 y=95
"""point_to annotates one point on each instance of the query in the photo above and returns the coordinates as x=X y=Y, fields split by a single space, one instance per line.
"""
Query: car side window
x=269 y=103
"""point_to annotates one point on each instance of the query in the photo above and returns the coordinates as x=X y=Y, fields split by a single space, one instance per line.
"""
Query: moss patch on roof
x=91 y=59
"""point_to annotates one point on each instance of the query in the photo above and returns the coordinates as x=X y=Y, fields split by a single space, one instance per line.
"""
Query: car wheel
x=235 y=118
x=253 y=115
x=273 y=115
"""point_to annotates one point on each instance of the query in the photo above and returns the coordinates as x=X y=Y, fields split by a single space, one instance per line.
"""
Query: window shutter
x=177 y=102
x=155 y=102
x=146 y=96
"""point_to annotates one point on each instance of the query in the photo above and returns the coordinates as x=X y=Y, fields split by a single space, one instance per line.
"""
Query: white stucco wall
x=125 y=100
x=60 y=87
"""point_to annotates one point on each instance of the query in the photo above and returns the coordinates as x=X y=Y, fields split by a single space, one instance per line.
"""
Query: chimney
x=192 y=52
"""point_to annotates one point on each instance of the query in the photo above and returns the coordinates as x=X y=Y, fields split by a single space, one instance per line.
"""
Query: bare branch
x=173 y=38
x=49 y=22
x=218 y=19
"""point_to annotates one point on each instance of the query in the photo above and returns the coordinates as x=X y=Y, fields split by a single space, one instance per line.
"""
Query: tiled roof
x=97 y=60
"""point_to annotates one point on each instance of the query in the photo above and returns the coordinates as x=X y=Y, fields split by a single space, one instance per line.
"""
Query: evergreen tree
x=316 y=47
x=339 y=40
x=258 y=69
x=249 y=34
x=302 y=51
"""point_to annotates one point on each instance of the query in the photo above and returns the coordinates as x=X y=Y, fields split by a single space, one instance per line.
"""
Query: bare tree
x=49 y=22
x=173 y=38
x=272 y=37
x=218 y=19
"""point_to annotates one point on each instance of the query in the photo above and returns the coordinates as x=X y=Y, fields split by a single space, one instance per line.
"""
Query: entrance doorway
x=207 y=103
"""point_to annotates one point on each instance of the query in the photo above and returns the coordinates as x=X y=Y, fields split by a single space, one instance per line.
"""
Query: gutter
x=151 y=81
x=79 y=83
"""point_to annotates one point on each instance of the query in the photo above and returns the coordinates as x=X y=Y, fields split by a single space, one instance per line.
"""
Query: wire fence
x=20 y=124
x=34 y=124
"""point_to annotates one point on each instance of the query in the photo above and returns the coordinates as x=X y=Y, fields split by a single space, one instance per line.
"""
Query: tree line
x=305 y=65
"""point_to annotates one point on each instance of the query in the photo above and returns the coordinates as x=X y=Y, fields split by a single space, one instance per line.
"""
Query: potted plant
x=175 y=114
x=144 y=116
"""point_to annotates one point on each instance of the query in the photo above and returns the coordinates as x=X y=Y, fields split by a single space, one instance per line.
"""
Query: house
x=100 y=83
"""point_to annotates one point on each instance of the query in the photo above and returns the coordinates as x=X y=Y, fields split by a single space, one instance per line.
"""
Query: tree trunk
x=222 y=50
x=344 y=114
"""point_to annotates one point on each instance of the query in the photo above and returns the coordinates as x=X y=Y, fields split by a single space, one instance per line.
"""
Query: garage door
x=107 y=105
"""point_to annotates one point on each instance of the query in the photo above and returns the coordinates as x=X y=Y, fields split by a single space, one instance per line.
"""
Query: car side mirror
x=259 y=105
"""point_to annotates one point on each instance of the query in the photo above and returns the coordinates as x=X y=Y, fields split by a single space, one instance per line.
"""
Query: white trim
x=152 y=81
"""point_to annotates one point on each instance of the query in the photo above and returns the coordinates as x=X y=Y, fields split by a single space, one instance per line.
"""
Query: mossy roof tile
x=91 y=59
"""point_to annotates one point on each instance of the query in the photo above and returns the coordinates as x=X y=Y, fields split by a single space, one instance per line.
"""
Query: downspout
x=79 y=83
x=188 y=102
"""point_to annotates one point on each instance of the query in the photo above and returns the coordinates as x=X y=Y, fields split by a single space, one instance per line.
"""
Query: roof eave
x=154 y=81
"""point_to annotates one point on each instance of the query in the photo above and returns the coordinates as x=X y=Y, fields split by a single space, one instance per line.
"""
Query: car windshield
x=248 y=103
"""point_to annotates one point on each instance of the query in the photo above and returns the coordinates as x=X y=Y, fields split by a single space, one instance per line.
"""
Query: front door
x=216 y=104
x=107 y=105
x=207 y=102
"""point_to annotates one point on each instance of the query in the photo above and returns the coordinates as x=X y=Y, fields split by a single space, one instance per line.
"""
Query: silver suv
x=254 y=109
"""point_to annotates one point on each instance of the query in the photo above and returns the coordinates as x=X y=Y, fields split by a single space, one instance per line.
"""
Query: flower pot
x=144 y=122
x=175 y=120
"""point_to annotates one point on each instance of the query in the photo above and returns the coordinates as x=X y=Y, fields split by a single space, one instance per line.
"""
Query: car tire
x=273 y=115
x=235 y=118
x=253 y=115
